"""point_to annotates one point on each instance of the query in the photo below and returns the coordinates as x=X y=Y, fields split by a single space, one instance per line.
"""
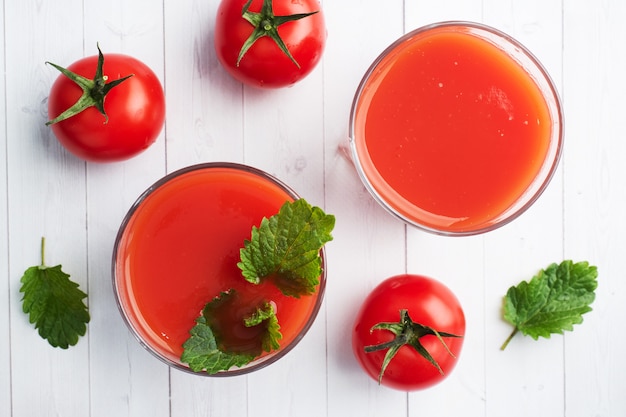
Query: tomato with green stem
x=110 y=116
x=269 y=43
x=408 y=333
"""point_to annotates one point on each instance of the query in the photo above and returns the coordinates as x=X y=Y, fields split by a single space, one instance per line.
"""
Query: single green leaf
x=206 y=349
x=54 y=304
x=266 y=315
x=286 y=248
x=201 y=351
x=552 y=301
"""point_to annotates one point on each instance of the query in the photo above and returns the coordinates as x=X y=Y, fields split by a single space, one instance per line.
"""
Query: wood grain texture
x=530 y=372
x=46 y=197
x=595 y=193
x=5 y=285
x=299 y=135
x=125 y=378
x=369 y=244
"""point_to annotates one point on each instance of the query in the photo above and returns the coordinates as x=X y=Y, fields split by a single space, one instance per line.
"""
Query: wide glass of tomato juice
x=456 y=128
x=178 y=248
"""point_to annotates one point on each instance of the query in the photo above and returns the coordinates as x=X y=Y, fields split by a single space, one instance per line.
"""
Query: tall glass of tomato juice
x=456 y=128
x=178 y=248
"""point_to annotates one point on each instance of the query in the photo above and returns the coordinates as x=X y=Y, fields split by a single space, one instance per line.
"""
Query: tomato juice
x=178 y=249
x=456 y=127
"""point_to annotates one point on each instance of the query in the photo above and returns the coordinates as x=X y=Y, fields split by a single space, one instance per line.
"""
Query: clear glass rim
x=547 y=170
x=257 y=364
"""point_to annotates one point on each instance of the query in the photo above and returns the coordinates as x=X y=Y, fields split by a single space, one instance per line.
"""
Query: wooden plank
x=46 y=187
x=369 y=244
x=422 y=12
x=595 y=193
x=528 y=372
x=5 y=285
x=205 y=104
x=125 y=378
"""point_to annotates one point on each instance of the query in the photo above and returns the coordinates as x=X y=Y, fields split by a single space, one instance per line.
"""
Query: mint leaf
x=286 y=248
x=54 y=304
x=201 y=351
x=209 y=346
x=272 y=335
x=553 y=301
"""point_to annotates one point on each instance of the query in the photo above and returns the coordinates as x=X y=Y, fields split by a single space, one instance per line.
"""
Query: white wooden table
x=296 y=134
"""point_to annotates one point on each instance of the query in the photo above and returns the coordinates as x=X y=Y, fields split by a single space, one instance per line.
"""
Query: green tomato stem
x=265 y=23
x=407 y=332
x=94 y=91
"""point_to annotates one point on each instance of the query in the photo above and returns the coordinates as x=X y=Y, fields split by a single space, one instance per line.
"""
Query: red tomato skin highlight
x=264 y=65
x=135 y=110
x=430 y=303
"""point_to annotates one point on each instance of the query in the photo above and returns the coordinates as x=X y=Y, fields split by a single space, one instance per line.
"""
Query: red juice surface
x=450 y=130
x=180 y=249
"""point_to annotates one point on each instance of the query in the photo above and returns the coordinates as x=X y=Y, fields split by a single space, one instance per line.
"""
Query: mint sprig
x=286 y=248
x=266 y=315
x=207 y=349
x=553 y=301
x=54 y=304
x=201 y=351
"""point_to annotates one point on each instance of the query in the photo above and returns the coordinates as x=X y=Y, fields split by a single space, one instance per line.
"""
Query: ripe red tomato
x=412 y=310
x=135 y=110
x=265 y=64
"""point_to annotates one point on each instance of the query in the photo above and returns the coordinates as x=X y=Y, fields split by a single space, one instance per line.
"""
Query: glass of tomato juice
x=178 y=248
x=456 y=128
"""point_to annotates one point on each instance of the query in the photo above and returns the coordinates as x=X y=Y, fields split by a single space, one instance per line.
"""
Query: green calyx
x=407 y=333
x=266 y=24
x=94 y=91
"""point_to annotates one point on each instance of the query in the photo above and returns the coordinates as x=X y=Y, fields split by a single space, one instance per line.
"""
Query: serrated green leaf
x=266 y=316
x=201 y=351
x=286 y=248
x=553 y=301
x=54 y=304
x=206 y=348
